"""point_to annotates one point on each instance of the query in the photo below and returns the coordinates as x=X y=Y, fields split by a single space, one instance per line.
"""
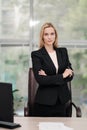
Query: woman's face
x=49 y=36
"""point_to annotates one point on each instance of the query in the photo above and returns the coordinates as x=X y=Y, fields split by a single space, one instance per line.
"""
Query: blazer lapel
x=48 y=59
x=59 y=59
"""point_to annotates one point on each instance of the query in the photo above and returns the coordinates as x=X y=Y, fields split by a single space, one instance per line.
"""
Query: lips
x=49 y=41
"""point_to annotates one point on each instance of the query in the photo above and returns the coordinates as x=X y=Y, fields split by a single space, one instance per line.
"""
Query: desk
x=31 y=123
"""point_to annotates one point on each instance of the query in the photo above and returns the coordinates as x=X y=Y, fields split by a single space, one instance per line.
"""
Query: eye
x=45 y=34
x=52 y=33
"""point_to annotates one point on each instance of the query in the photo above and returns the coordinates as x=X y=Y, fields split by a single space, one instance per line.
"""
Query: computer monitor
x=6 y=102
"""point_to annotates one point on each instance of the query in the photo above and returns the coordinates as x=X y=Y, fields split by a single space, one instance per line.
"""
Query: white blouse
x=54 y=59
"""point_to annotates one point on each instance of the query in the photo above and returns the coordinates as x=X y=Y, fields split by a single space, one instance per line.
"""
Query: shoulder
x=61 y=49
x=36 y=52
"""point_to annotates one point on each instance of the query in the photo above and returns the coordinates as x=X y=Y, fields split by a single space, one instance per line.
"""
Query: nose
x=49 y=36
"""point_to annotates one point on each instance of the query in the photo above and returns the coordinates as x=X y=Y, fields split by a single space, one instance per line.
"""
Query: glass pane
x=14 y=66
x=78 y=58
x=69 y=17
x=14 y=19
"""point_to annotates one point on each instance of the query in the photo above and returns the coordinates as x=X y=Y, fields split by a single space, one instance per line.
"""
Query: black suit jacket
x=52 y=86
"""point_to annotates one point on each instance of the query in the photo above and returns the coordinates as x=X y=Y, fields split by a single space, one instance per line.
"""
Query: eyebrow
x=50 y=33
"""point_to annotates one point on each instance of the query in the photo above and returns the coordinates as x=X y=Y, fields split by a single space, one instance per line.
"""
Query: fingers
x=67 y=72
x=41 y=72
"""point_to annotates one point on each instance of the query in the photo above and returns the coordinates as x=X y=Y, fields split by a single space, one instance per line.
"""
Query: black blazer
x=52 y=86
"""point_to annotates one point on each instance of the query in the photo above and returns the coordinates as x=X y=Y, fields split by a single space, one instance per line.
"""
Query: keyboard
x=9 y=125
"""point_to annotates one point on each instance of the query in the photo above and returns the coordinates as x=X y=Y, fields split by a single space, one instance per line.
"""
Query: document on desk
x=53 y=126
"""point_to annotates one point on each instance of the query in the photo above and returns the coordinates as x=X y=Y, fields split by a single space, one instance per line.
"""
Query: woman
x=52 y=71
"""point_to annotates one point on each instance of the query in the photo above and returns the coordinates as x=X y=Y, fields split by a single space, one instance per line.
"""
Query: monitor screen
x=6 y=102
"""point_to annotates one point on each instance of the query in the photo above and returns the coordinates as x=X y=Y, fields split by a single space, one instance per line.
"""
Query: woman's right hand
x=67 y=72
x=42 y=72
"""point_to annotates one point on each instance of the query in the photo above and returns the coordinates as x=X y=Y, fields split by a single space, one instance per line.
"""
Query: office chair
x=32 y=88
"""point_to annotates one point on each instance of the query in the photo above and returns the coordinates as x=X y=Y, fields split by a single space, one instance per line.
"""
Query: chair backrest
x=32 y=88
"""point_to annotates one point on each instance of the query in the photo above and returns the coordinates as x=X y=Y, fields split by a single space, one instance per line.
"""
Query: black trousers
x=57 y=110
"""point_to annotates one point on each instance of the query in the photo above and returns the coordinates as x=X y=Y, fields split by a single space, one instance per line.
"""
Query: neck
x=49 y=48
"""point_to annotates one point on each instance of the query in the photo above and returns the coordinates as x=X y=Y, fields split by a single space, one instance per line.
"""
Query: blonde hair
x=41 y=42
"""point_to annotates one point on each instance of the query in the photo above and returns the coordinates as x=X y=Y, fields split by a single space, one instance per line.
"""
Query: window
x=20 y=23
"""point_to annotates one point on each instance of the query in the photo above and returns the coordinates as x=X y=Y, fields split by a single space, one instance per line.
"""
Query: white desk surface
x=31 y=123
